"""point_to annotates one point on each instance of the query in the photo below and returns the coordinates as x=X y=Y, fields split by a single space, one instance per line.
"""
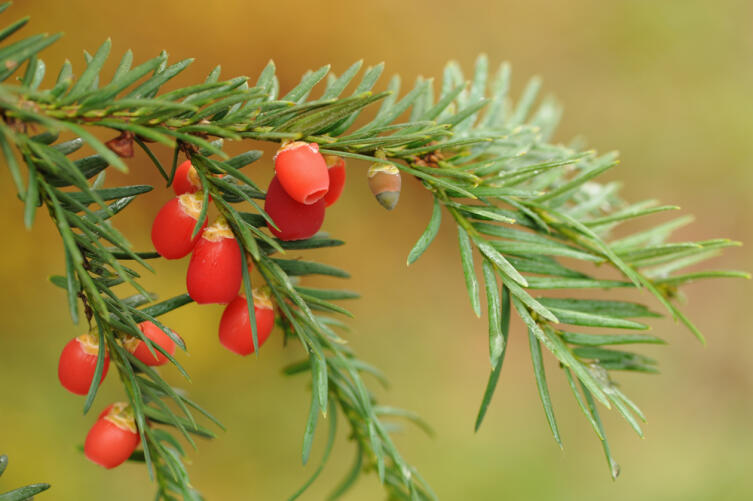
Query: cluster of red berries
x=114 y=437
x=304 y=185
x=215 y=270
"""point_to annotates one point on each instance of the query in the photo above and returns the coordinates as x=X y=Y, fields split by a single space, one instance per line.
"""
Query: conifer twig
x=528 y=208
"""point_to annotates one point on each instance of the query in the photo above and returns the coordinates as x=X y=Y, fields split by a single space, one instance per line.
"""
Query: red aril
x=214 y=272
x=140 y=350
x=235 y=325
x=174 y=224
x=77 y=364
x=302 y=172
x=294 y=220
x=336 y=167
x=114 y=436
x=186 y=179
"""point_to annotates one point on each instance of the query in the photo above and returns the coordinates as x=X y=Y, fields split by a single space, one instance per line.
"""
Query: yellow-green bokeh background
x=668 y=83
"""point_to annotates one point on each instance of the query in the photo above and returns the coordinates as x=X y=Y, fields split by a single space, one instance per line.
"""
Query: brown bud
x=385 y=183
x=122 y=145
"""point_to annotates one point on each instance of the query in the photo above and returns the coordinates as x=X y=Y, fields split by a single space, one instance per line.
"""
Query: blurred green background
x=667 y=83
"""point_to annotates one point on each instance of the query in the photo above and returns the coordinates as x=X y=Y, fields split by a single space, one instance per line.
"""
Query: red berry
x=186 y=179
x=157 y=336
x=235 y=325
x=78 y=361
x=336 y=167
x=214 y=272
x=302 y=172
x=172 y=228
x=114 y=436
x=294 y=220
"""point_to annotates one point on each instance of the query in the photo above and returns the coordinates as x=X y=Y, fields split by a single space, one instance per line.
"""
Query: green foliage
x=526 y=208
x=22 y=493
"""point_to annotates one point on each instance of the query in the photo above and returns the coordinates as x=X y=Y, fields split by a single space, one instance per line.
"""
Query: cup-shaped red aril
x=336 y=169
x=302 y=172
x=78 y=362
x=140 y=350
x=295 y=221
x=186 y=179
x=215 y=270
x=235 y=325
x=113 y=438
x=174 y=224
